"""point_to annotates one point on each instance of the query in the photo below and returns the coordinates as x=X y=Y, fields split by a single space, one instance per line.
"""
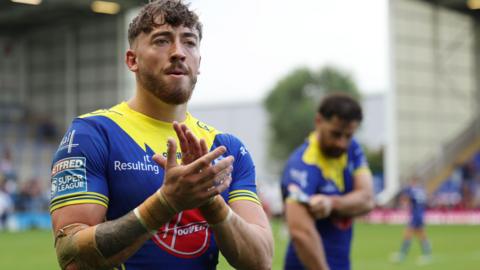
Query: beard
x=332 y=152
x=170 y=93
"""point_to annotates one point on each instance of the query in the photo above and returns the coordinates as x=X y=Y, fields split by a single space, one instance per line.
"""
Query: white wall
x=434 y=89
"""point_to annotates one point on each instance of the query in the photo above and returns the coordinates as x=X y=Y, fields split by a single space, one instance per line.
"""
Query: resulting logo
x=146 y=165
x=186 y=235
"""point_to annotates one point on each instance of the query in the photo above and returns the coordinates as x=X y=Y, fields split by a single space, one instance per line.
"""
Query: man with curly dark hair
x=325 y=184
x=123 y=197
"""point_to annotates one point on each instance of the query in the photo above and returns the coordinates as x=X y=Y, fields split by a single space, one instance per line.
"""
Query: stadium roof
x=16 y=18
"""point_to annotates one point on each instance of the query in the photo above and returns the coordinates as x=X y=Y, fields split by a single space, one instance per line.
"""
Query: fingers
x=320 y=206
x=160 y=160
x=181 y=138
x=193 y=144
x=171 y=160
x=215 y=190
x=191 y=147
x=171 y=153
x=215 y=173
x=205 y=160
x=210 y=177
x=203 y=147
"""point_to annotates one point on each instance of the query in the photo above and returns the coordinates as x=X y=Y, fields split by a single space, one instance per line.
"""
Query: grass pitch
x=454 y=247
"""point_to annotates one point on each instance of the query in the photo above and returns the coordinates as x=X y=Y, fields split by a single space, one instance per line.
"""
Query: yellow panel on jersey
x=332 y=168
x=145 y=130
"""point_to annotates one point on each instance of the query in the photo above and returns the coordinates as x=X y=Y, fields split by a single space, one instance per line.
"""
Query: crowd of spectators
x=23 y=203
x=462 y=189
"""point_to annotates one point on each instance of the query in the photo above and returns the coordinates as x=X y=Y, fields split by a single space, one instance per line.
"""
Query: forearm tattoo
x=114 y=236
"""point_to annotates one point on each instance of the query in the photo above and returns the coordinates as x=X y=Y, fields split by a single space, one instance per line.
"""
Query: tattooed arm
x=115 y=240
x=85 y=241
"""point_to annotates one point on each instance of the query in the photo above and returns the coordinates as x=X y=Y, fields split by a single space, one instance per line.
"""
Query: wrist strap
x=215 y=211
x=165 y=202
x=140 y=219
x=154 y=211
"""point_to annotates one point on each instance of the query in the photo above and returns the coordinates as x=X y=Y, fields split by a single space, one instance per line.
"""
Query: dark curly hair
x=172 y=12
x=341 y=105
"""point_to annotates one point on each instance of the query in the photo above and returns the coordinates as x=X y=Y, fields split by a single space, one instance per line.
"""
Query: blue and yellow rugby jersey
x=105 y=158
x=314 y=173
x=418 y=200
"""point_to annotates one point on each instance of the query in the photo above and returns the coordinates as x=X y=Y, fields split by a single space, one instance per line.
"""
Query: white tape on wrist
x=140 y=219
x=328 y=206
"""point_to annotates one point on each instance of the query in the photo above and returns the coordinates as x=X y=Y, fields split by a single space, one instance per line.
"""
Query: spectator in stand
x=32 y=197
x=415 y=198
x=6 y=205
x=32 y=205
x=468 y=188
x=6 y=165
x=47 y=131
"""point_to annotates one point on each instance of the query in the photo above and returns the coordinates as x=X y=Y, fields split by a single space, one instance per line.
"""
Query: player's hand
x=191 y=147
x=191 y=185
x=320 y=206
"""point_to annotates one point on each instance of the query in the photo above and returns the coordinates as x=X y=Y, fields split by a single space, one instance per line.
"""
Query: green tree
x=375 y=159
x=292 y=103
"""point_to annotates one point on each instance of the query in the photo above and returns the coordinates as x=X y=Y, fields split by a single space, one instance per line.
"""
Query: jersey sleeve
x=360 y=163
x=243 y=186
x=78 y=168
x=298 y=181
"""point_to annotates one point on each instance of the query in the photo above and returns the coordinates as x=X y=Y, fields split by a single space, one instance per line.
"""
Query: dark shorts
x=416 y=223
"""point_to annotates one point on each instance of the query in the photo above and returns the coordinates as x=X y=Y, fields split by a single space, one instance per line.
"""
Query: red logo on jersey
x=342 y=223
x=186 y=235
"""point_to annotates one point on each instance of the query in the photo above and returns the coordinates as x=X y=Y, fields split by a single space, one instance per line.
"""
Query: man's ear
x=318 y=119
x=131 y=60
x=199 y=62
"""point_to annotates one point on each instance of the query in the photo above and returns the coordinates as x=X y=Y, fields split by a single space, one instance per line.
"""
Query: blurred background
x=413 y=64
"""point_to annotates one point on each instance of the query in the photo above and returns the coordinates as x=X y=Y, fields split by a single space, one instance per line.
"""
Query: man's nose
x=177 y=52
x=342 y=143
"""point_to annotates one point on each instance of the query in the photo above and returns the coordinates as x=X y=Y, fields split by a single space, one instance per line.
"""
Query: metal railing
x=449 y=154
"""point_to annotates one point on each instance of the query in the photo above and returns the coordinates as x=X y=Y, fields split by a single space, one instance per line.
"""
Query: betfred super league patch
x=69 y=176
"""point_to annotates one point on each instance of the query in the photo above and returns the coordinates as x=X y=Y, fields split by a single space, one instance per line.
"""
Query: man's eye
x=191 y=43
x=160 y=41
x=336 y=134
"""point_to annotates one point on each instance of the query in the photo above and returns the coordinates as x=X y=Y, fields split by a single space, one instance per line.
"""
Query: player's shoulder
x=219 y=137
x=354 y=144
x=296 y=157
x=227 y=139
x=355 y=148
x=233 y=144
x=97 y=120
x=204 y=130
x=97 y=115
